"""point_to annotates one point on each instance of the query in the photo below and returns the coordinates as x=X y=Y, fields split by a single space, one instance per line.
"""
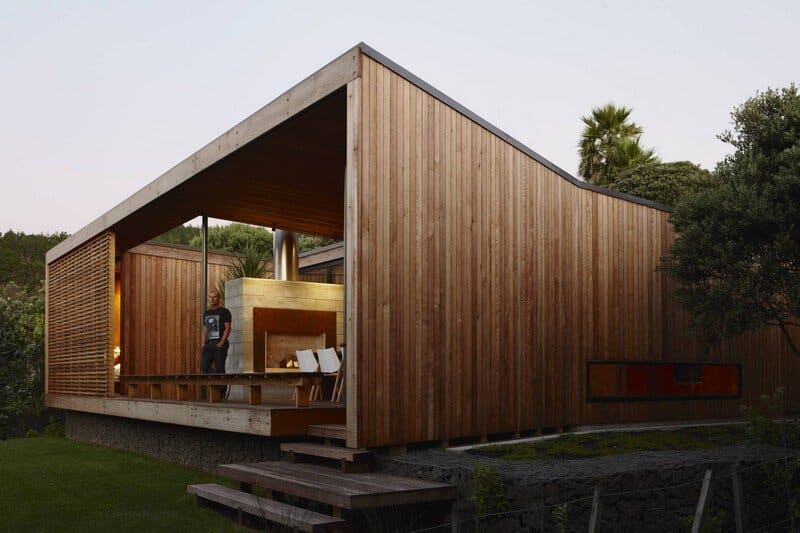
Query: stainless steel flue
x=284 y=255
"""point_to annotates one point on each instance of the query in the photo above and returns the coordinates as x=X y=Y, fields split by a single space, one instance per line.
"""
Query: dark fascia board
x=439 y=95
x=321 y=249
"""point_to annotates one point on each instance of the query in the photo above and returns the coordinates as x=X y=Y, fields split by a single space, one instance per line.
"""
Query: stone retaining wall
x=198 y=448
x=642 y=491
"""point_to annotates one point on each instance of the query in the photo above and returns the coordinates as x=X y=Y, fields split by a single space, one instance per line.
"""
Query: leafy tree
x=309 y=242
x=236 y=238
x=178 y=235
x=666 y=183
x=610 y=143
x=736 y=256
x=22 y=257
x=21 y=350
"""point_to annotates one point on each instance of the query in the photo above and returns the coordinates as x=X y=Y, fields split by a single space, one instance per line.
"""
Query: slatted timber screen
x=161 y=304
x=480 y=282
x=80 y=315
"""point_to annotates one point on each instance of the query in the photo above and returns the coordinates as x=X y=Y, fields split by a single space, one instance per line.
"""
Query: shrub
x=562 y=519
x=54 y=429
x=488 y=492
x=764 y=427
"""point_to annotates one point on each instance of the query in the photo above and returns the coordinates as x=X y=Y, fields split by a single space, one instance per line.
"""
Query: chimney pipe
x=284 y=255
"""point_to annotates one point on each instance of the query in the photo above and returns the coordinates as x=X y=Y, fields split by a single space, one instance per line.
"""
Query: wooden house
x=485 y=290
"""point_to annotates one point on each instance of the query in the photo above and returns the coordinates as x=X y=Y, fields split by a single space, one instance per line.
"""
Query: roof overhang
x=283 y=166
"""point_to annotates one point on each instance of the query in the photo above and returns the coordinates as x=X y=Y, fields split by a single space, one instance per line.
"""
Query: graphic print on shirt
x=212 y=327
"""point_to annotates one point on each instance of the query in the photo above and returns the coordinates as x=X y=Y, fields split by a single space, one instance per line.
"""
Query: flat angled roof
x=323 y=83
x=291 y=104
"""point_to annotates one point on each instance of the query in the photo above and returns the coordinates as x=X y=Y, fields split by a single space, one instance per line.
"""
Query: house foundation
x=198 y=448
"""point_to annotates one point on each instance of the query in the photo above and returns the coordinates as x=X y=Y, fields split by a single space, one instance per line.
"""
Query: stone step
x=351 y=459
x=270 y=510
x=328 y=431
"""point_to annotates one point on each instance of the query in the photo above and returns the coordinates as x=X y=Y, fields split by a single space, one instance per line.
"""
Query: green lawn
x=612 y=443
x=54 y=484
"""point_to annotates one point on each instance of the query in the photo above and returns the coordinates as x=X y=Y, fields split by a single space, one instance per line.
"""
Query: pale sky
x=99 y=98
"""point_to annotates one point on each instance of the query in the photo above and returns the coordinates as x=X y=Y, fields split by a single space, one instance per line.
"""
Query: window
x=659 y=380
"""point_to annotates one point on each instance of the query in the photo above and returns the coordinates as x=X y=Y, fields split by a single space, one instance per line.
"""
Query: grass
x=613 y=443
x=53 y=484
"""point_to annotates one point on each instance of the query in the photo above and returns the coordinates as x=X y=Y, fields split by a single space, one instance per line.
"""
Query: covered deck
x=284 y=167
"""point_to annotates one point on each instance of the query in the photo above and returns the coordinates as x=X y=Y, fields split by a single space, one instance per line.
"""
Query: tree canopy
x=666 y=183
x=610 y=143
x=736 y=256
x=236 y=238
x=22 y=257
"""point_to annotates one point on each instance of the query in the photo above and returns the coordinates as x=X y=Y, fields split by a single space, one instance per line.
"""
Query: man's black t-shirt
x=214 y=320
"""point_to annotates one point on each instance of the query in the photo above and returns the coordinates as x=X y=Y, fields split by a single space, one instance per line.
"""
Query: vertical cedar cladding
x=80 y=319
x=480 y=282
x=161 y=302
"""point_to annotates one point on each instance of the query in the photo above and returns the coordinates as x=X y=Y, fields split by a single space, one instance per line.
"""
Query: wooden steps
x=328 y=431
x=333 y=487
x=281 y=513
x=351 y=459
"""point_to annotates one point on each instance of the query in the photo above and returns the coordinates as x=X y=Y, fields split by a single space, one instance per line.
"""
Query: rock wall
x=198 y=448
x=648 y=491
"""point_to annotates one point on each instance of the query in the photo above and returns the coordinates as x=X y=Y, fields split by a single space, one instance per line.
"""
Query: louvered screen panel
x=80 y=320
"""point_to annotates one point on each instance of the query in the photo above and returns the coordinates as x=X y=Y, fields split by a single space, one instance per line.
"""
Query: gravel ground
x=438 y=461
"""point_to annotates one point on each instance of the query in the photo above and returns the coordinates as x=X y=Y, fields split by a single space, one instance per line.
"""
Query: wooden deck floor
x=331 y=486
x=275 y=418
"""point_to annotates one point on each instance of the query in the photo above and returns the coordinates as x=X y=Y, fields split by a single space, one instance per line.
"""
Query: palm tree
x=610 y=143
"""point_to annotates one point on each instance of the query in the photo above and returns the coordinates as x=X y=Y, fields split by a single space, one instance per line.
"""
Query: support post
x=738 y=508
x=203 y=267
x=597 y=509
x=701 y=503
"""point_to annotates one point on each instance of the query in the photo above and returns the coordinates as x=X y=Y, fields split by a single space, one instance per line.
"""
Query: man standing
x=216 y=329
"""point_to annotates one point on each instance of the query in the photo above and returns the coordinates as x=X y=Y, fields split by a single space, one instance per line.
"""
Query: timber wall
x=80 y=320
x=481 y=282
x=160 y=313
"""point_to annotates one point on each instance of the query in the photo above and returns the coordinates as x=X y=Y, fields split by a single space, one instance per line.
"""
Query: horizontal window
x=658 y=380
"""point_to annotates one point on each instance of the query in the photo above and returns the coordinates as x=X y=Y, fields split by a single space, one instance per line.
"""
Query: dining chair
x=330 y=365
x=308 y=363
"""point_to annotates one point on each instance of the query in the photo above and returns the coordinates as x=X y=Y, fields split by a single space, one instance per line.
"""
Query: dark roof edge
x=439 y=95
x=313 y=251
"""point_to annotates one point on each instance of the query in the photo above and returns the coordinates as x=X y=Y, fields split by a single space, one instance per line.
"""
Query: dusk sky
x=100 y=98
